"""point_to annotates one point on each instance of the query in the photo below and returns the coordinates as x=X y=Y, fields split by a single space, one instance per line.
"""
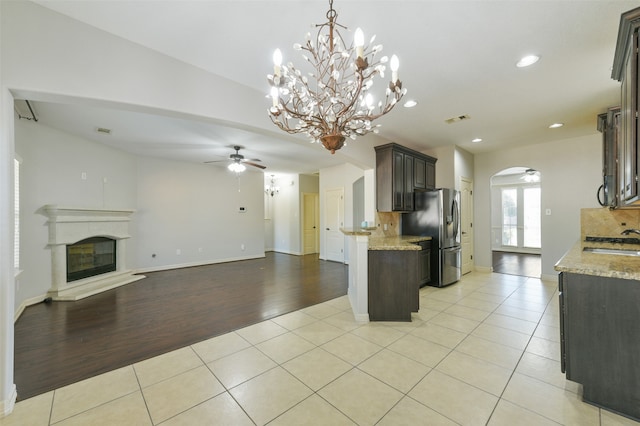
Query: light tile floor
x=484 y=351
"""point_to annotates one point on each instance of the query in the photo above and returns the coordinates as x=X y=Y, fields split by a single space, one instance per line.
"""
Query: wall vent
x=456 y=119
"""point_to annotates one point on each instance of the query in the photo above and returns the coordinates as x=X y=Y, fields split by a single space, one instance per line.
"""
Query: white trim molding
x=6 y=406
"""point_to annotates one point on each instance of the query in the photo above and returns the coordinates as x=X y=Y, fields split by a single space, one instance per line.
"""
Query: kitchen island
x=599 y=296
x=384 y=274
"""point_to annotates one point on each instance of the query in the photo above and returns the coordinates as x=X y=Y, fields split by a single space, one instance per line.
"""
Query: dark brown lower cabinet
x=393 y=284
x=600 y=339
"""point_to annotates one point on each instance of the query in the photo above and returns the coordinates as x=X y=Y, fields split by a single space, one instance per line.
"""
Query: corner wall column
x=7 y=280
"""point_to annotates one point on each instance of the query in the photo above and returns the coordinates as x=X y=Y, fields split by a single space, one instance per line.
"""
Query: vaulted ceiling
x=456 y=58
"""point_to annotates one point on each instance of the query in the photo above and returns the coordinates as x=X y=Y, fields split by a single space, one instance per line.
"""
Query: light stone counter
x=578 y=261
x=394 y=242
x=400 y=242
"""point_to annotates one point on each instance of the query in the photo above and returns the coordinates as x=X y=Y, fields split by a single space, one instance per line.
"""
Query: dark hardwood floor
x=528 y=265
x=64 y=342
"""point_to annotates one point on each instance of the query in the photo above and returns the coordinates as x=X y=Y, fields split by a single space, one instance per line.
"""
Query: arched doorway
x=516 y=222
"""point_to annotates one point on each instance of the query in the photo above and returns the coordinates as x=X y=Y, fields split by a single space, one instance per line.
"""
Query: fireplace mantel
x=68 y=225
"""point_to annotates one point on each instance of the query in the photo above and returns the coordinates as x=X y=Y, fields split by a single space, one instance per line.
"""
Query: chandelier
x=333 y=101
x=272 y=189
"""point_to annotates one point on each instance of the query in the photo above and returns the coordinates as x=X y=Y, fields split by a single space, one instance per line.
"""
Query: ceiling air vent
x=103 y=130
x=456 y=119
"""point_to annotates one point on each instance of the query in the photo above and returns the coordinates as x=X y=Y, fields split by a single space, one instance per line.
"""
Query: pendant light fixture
x=331 y=98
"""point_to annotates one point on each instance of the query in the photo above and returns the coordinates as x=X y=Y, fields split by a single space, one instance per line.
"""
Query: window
x=532 y=217
x=16 y=213
x=510 y=217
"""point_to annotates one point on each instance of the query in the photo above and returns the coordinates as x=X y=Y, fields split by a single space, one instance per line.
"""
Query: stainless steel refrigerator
x=437 y=214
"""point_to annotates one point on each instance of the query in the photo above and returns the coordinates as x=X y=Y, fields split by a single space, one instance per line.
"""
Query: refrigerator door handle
x=455 y=212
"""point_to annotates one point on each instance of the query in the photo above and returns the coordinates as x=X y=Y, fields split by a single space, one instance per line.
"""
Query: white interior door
x=466 y=224
x=334 y=220
x=310 y=223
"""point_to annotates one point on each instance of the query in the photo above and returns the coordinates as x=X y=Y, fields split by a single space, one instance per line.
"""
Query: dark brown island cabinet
x=395 y=278
x=600 y=339
x=400 y=173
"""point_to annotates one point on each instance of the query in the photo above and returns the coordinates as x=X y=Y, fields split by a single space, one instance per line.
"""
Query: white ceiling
x=456 y=57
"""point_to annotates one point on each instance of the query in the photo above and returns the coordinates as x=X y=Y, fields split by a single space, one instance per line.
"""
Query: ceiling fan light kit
x=238 y=161
x=334 y=101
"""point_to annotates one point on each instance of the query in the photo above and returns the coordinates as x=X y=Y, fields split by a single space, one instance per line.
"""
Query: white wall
x=453 y=163
x=51 y=170
x=342 y=176
x=571 y=172
x=7 y=285
x=464 y=166
x=286 y=215
x=445 y=166
x=195 y=208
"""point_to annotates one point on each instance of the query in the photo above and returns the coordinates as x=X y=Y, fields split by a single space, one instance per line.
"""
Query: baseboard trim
x=26 y=303
x=293 y=253
x=551 y=278
x=485 y=269
x=7 y=405
x=192 y=264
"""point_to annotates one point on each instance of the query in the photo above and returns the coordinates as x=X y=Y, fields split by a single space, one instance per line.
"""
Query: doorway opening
x=516 y=222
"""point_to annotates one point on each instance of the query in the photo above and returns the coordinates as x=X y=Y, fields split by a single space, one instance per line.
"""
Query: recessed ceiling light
x=556 y=125
x=527 y=60
x=410 y=103
x=476 y=140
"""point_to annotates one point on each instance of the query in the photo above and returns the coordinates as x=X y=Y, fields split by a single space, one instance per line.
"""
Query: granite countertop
x=395 y=242
x=398 y=242
x=578 y=261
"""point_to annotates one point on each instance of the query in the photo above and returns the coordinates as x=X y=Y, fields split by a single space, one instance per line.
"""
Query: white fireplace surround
x=68 y=225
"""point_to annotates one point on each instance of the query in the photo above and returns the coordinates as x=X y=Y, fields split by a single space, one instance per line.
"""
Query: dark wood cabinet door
x=398 y=181
x=408 y=183
x=430 y=174
x=393 y=291
x=419 y=174
x=600 y=325
x=401 y=171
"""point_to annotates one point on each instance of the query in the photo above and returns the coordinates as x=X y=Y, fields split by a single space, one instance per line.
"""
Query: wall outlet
x=83 y=175
x=242 y=247
x=178 y=252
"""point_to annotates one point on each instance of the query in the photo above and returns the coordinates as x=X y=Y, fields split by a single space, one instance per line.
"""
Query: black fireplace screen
x=93 y=256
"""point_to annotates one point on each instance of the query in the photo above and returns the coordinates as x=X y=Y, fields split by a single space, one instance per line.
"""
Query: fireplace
x=88 y=250
x=90 y=257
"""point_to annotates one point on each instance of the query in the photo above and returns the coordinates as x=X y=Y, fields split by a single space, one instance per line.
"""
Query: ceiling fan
x=531 y=175
x=238 y=161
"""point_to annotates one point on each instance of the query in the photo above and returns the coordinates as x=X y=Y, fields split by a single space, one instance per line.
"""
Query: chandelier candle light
x=333 y=101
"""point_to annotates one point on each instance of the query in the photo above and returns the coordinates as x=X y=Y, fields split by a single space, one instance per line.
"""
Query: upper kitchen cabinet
x=609 y=125
x=625 y=70
x=400 y=172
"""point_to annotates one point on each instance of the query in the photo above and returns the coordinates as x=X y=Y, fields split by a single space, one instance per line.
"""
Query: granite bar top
x=396 y=242
x=399 y=242
x=578 y=261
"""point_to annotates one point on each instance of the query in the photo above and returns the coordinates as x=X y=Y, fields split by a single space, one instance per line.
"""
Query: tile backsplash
x=391 y=219
x=603 y=222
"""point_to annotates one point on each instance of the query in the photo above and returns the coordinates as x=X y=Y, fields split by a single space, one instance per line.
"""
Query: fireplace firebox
x=90 y=257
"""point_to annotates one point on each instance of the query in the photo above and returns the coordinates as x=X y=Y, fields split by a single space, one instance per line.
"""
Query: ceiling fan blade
x=260 y=166
x=215 y=161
